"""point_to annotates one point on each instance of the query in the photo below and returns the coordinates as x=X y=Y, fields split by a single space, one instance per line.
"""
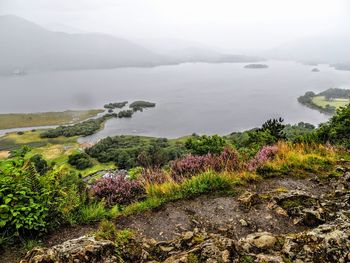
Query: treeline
x=115 y=105
x=306 y=100
x=140 y=105
x=91 y=126
x=131 y=151
x=335 y=93
x=84 y=128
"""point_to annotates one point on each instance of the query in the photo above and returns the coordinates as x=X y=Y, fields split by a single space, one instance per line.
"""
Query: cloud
x=227 y=23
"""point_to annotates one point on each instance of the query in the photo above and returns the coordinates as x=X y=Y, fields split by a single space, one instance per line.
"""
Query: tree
x=337 y=129
x=201 y=145
x=80 y=161
x=40 y=164
x=275 y=127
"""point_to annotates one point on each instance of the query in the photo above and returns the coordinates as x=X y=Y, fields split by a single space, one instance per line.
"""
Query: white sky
x=232 y=24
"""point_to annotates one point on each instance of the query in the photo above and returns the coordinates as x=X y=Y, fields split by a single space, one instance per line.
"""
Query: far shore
x=24 y=120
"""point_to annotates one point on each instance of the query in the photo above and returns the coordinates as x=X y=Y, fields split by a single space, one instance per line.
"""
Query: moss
x=297 y=201
x=192 y=258
x=106 y=230
x=281 y=190
x=246 y=259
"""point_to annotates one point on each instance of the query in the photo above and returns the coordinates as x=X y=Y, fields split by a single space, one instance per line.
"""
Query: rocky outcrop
x=81 y=250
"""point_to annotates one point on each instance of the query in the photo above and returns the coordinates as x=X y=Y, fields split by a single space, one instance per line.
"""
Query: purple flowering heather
x=117 y=190
x=266 y=153
x=193 y=164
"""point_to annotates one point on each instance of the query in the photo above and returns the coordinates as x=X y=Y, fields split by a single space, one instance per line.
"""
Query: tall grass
x=207 y=182
x=300 y=160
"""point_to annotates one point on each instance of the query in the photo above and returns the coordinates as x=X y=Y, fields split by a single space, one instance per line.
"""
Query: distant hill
x=26 y=45
x=314 y=50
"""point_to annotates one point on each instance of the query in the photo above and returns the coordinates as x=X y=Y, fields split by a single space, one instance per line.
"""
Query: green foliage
x=29 y=244
x=84 y=128
x=31 y=203
x=203 y=183
x=115 y=105
x=40 y=164
x=80 y=161
x=201 y=145
x=24 y=199
x=337 y=129
x=125 y=114
x=309 y=99
x=140 y=105
x=93 y=212
x=130 y=151
x=335 y=93
x=106 y=230
x=275 y=127
x=293 y=132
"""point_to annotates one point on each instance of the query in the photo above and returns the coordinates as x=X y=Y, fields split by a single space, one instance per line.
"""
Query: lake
x=190 y=97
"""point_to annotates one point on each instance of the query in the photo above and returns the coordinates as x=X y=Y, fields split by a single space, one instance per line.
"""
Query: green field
x=53 y=150
x=20 y=120
x=322 y=102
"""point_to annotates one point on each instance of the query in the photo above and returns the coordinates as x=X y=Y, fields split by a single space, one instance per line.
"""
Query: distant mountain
x=314 y=50
x=25 y=45
x=198 y=54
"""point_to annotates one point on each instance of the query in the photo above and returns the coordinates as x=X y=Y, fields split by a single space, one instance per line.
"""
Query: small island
x=256 y=66
x=327 y=101
x=140 y=105
x=315 y=70
x=115 y=105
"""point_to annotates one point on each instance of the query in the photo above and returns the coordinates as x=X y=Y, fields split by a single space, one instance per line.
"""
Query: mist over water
x=190 y=97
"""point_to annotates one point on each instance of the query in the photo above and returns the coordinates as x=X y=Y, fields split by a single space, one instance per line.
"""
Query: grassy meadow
x=53 y=150
x=322 y=102
x=21 y=120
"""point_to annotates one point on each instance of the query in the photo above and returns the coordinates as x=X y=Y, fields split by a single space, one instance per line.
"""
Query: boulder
x=81 y=250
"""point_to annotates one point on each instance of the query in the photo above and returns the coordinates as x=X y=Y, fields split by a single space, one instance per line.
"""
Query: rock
x=269 y=258
x=259 y=240
x=166 y=249
x=83 y=249
x=187 y=235
x=243 y=222
x=265 y=241
x=248 y=199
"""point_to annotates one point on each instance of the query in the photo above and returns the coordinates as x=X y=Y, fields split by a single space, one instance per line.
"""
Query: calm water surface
x=193 y=97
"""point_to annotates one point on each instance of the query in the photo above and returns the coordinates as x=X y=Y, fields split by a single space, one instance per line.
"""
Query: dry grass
x=20 y=120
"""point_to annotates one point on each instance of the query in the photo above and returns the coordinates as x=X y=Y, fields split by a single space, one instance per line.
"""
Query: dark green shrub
x=80 y=161
x=40 y=164
x=205 y=144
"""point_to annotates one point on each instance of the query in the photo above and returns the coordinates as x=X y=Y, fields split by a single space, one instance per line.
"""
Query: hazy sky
x=232 y=24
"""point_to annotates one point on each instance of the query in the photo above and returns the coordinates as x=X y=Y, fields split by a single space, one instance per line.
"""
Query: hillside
x=25 y=45
x=314 y=50
x=277 y=193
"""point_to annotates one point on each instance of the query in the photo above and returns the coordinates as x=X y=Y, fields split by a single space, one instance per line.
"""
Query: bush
x=205 y=144
x=40 y=164
x=117 y=190
x=106 y=230
x=275 y=127
x=130 y=151
x=337 y=129
x=154 y=176
x=84 y=128
x=80 y=161
x=194 y=164
x=267 y=153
